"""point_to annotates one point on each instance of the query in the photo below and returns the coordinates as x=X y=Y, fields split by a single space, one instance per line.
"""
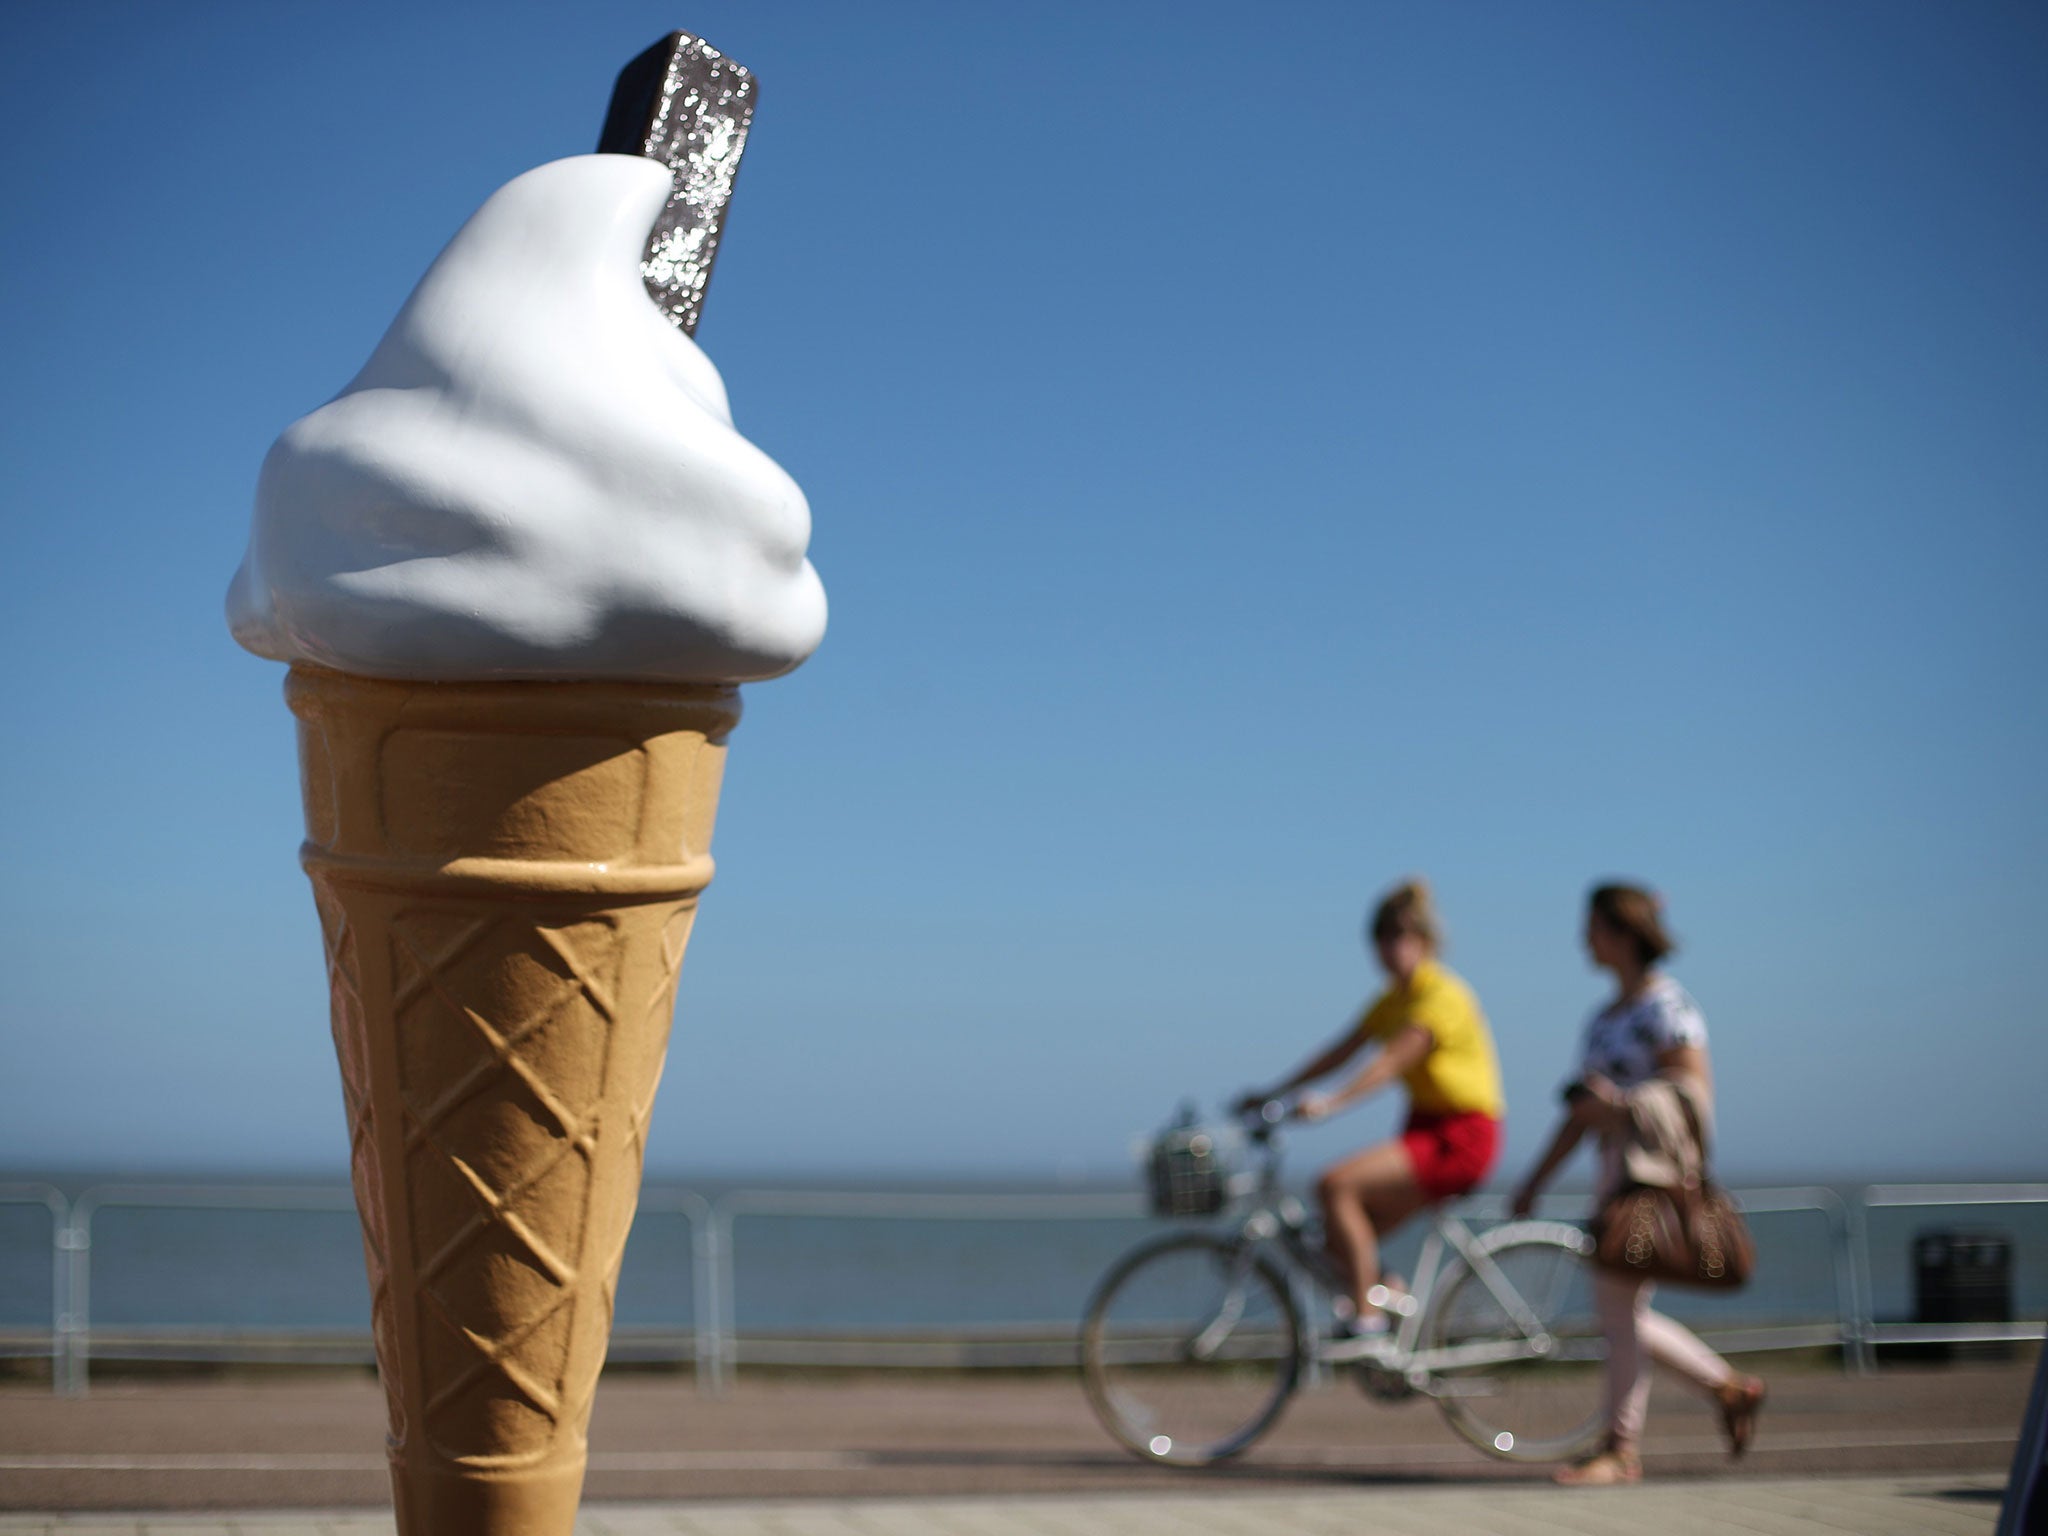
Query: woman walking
x=1432 y=1037
x=1649 y=1029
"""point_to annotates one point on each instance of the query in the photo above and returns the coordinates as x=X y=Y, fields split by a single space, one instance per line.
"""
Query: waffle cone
x=506 y=875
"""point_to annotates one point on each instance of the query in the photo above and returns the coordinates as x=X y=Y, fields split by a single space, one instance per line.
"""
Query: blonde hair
x=1407 y=908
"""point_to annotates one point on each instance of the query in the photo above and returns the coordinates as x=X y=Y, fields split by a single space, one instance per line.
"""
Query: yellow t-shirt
x=1461 y=1073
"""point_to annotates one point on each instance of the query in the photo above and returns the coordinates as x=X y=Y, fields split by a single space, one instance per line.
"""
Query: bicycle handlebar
x=1261 y=1120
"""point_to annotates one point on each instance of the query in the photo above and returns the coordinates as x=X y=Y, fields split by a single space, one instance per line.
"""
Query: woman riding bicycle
x=1432 y=1036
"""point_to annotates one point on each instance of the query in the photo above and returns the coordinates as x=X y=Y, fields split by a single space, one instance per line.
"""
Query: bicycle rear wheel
x=1191 y=1348
x=1531 y=1386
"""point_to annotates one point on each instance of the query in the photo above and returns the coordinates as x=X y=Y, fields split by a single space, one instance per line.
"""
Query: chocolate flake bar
x=684 y=103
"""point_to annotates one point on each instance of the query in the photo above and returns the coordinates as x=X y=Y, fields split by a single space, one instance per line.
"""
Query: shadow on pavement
x=1295 y=1473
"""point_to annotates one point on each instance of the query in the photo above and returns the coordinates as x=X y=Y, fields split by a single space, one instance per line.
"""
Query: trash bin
x=1964 y=1277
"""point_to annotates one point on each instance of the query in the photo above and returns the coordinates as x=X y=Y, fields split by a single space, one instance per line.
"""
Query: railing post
x=1849 y=1311
x=703 y=1294
x=60 y=1281
x=74 y=1302
x=724 y=1351
x=1857 y=1222
x=1848 y=1327
x=52 y=1200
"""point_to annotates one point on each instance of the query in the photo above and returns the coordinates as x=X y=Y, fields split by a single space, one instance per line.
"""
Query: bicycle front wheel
x=1514 y=1348
x=1190 y=1349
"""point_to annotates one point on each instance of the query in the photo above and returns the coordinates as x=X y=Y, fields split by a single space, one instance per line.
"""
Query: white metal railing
x=722 y=1349
x=73 y=1342
x=75 y=1348
x=696 y=1210
x=52 y=1200
x=1852 y=1293
x=725 y=1349
x=1931 y=1196
x=717 y=1348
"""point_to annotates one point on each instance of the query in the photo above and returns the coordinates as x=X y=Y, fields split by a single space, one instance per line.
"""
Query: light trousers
x=1636 y=1336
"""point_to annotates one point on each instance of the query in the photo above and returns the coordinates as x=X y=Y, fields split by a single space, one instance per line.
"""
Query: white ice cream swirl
x=534 y=476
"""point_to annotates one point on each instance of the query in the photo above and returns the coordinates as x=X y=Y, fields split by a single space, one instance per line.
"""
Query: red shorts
x=1451 y=1153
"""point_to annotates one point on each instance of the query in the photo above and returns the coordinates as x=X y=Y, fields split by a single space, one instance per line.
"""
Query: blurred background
x=1255 y=455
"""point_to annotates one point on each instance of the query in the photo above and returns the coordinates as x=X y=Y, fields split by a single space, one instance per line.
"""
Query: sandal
x=1602 y=1469
x=1741 y=1401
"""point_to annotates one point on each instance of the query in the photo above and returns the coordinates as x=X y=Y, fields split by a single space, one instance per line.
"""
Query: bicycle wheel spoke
x=1190 y=1349
x=1209 y=1342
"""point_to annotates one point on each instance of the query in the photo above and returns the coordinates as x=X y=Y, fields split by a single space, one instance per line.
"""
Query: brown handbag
x=1691 y=1235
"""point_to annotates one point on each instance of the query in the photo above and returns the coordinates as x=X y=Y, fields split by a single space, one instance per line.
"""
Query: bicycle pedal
x=1399 y=1303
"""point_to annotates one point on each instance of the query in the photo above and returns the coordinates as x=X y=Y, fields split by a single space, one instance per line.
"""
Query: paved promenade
x=1867 y=1506
x=832 y=1455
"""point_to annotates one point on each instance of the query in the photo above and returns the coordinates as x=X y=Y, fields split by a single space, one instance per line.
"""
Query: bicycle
x=1194 y=1342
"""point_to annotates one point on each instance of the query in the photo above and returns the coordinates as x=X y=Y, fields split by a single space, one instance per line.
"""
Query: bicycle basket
x=1190 y=1172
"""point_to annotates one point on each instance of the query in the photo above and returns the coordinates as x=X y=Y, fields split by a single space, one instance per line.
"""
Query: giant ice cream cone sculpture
x=506 y=876
x=518 y=567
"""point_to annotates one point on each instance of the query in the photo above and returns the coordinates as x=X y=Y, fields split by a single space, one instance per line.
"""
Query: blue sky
x=1255 y=454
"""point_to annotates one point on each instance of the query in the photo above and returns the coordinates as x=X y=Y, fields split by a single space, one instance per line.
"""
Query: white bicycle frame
x=1274 y=1227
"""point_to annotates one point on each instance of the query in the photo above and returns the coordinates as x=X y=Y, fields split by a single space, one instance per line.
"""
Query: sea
x=300 y=1272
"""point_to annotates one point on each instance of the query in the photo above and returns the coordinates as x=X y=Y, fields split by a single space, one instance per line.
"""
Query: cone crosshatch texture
x=506 y=875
